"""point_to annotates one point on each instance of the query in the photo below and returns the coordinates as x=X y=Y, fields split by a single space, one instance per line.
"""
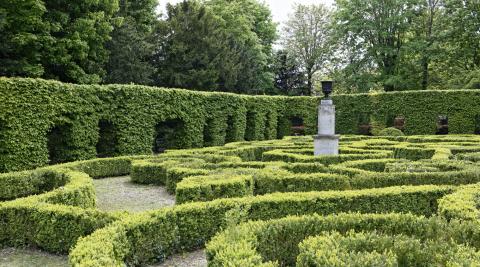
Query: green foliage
x=405 y=45
x=21 y=184
x=198 y=222
x=130 y=53
x=206 y=188
x=391 y=131
x=475 y=156
x=131 y=45
x=307 y=36
x=53 y=220
x=381 y=25
x=421 y=113
x=463 y=204
x=56 y=39
x=289 y=78
x=23 y=35
x=75 y=111
x=227 y=191
x=276 y=242
x=134 y=111
x=205 y=47
x=373 y=249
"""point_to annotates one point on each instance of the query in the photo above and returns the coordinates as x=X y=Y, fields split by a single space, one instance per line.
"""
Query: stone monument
x=326 y=141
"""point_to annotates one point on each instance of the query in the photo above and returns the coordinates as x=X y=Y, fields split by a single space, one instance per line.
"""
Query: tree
x=220 y=45
x=381 y=25
x=289 y=79
x=461 y=63
x=185 y=44
x=23 y=36
x=307 y=37
x=131 y=46
x=248 y=26
x=79 y=30
x=430 y=37
x=63 y=40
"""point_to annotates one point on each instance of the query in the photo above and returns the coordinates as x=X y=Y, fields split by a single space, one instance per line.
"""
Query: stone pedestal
x=326 y=142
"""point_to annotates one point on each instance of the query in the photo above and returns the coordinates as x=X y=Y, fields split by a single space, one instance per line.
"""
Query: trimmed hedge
x=52 y=207
x=76 y=115
x=228 y=185
x=205 y=188
x=374 y=249
x=391 y=132
x=462 y=204
x=475 y=156
x=196 y=223
x=275 y=242
x=54 y=220
x=21 y=184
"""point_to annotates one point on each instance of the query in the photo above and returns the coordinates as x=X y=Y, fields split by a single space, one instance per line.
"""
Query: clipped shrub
x=390 y=131
x=276 y=242
x=205 y=188
x=462 y=204
x=374 y=249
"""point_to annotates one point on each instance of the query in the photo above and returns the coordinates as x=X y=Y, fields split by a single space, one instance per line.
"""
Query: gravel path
x=192 y=259
x=16 y=257
x=116 y=194
x=113 y=194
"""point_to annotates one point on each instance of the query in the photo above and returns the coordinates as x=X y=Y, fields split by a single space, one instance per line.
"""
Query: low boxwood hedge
x=197 y=222
x=276 y=242
x=228 y=185
x=462 y=204
x=50 y=208
x=375 y=249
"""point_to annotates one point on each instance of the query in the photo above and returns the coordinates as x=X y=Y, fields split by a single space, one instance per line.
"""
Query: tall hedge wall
x=47 y=121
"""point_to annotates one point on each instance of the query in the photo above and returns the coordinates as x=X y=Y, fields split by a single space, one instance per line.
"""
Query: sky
x=280 y=8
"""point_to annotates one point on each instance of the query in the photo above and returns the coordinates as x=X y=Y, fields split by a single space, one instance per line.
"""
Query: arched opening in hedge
x=396 y=121
x=477 y=124
x=208 y=132
x=168 y=134
x=59 y=143
x=268 y=125
x=442 y=124
x=283 y=127
x=107 y=139
x=3 y=140
x=250 y=127
x=297 y=126
x=230 y=130
x=293 y=125
x=364 y=124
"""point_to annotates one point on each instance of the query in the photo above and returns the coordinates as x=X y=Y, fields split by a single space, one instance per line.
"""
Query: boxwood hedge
x=397 y=240
x=216 y=188
x=51 y=122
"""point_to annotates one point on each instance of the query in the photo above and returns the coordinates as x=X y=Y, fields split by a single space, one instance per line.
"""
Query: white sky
x=280 y=8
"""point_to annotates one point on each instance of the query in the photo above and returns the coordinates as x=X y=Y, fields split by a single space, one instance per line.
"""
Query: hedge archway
x=59 y=143
x=107 y=139
x=167 y=135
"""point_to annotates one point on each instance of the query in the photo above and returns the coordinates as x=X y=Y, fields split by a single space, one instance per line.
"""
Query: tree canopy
x=231 y=45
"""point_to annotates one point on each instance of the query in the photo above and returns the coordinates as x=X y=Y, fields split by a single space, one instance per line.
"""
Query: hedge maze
x=46 y=122
x=400 y=200
x=247 y=198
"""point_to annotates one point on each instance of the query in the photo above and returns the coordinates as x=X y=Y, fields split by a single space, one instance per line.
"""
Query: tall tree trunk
x=425 y=74
x=432 y=5
x=388 y=71
x=309 y=81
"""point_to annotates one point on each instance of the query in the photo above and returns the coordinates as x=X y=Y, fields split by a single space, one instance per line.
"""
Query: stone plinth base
x=325 y=144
